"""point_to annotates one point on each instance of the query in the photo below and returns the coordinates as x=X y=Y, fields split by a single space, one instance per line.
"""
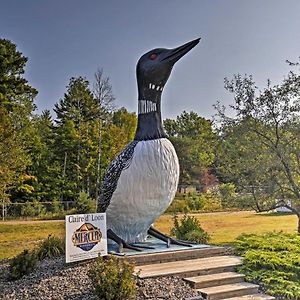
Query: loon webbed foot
x=123 y=244
x=169 y=240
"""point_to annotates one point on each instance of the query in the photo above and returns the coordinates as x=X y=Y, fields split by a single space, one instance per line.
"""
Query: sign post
x=85 y=236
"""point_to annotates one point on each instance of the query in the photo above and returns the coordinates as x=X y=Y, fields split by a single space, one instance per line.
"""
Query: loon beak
x=173 y=55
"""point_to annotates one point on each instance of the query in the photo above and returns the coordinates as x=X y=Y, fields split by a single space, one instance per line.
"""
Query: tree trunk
x=65 y=165
x=295 y=208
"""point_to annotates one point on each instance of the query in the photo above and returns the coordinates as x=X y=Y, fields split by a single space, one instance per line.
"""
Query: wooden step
x=253 y=297
x=229 y=290
x=214 y=279
x=188 y=268
x=168 y=256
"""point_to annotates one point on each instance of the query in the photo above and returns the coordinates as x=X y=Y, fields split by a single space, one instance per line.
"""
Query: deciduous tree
x=194 y=140
x=272 y=117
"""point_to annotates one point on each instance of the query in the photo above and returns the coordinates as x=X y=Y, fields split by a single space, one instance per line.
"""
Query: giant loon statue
x=142 y=180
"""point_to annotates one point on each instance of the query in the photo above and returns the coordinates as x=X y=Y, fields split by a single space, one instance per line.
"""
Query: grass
x=15 y=236
x=18 y=235
x=225 y=227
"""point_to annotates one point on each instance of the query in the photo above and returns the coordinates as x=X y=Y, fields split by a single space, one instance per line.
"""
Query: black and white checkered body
x=145 y=188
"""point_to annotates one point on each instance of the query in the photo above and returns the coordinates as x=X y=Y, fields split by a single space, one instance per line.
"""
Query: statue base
x=156 y=244
x=161 y=253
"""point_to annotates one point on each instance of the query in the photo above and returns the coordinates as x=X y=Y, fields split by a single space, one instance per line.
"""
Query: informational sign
x=85 y=236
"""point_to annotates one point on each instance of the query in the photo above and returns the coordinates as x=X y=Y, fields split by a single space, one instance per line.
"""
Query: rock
x=54 y=280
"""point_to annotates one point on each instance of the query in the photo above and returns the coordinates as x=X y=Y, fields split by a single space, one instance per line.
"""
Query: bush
x=84 y=204
x=112 y=279
x=195 y=203
x=50 y=247
x=228 y=195
x=32 y=209
x=22 y=264
x=211 y=202
x=272 y=260
x=178 y=206
x=57 y=207
x=189 y=229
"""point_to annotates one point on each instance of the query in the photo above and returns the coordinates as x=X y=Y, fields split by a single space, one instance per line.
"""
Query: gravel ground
x=53 y=280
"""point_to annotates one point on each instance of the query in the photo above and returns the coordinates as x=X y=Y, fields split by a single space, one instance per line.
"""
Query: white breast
x=144 y=190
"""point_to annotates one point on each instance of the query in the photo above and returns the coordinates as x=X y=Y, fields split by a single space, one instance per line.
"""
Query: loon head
x=154 y=68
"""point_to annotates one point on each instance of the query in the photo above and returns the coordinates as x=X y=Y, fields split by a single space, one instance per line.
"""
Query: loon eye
x=153 y=56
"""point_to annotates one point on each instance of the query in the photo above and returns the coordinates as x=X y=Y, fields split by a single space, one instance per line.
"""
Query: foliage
x=228 y=195
x=89 y=133
x=50 y=247
x=125 y=121
x=22 y=264
x=195 y=202
x=189 y=229
x=16 y=107
x=194 y=140
x=112 y=279
x=84 y=204
x=32 y=209
x=45 y=165
x=272 y=259
x=56 y=208
x=244 y=161
x=204 y=202
x=77 y=135
x=261 y=142
x=178 y=206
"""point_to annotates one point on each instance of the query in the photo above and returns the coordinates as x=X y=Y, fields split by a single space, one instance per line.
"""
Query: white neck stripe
x=146 y=106
x=155 y=87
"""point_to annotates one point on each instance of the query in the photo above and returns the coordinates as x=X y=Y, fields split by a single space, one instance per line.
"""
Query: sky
x=69 y=38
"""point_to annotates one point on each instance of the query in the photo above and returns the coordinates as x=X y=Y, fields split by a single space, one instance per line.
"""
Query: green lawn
x=223 y=227
x=16 y=236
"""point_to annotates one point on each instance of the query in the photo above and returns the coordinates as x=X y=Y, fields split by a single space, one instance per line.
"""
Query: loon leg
x=122 y=244
x=169 y=240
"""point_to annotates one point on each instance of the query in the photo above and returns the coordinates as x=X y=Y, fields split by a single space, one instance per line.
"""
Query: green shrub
x=22 y=264
x=112 y=279
x=178 y=206
x=50 y=247
x=32 y=209
x=195 y=203
x=189 y=229
x=211 y=202
x=84 y=204
x=272 y=260
x=228 y=195
x=57 y=207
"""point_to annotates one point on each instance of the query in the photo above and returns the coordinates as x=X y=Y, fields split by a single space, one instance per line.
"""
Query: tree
x=77 y=135
x=16 y=107
x=102 y=91
x=45 y=166
x=243 y=160
x=194 y=140
x=272 y=117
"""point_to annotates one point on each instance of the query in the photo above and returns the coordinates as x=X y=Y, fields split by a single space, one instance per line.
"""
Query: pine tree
x=77 y=137
x=16 y=108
